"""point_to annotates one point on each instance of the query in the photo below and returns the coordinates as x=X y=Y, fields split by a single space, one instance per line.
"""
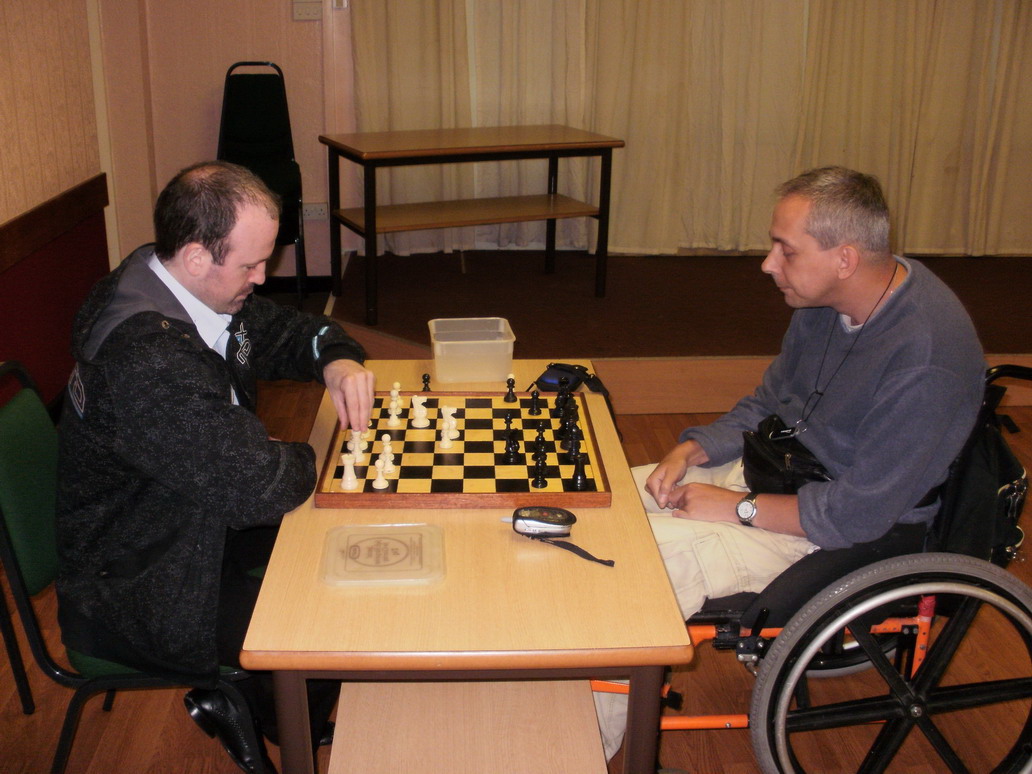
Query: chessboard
x=478 y=468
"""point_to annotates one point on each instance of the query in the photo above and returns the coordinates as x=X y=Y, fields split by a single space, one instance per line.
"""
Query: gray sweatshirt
x=891 y=420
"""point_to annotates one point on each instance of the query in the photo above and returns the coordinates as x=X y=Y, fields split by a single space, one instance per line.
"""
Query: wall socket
x=307 y=10
x=316 y=211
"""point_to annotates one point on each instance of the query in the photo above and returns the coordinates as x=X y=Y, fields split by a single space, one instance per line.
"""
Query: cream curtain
x=718 y=101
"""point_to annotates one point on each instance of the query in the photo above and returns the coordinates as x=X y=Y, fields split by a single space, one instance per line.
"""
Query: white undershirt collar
x=212 y=326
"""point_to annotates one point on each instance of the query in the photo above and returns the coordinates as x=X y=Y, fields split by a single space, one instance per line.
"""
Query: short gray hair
x=845 y=207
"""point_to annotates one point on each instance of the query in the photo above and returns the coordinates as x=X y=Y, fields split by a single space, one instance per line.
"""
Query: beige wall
x=163 y=67
x=134 y=88
x=48 y=130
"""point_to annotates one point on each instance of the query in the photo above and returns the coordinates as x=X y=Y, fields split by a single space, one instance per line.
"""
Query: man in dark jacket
x=170 y=489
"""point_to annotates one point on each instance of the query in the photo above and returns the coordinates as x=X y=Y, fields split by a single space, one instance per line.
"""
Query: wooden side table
x=373 y=150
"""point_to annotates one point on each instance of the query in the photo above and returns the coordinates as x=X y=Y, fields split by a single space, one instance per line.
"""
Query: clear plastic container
x=471 y=349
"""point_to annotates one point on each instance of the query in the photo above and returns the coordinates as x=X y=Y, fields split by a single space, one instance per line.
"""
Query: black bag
x=776 y=462
x=984 y=493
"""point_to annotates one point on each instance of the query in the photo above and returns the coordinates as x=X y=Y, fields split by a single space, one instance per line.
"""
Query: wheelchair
x=866 y=669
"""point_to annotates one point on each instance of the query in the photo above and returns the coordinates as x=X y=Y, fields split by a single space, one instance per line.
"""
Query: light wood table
x=508 y=608
x=373 y=150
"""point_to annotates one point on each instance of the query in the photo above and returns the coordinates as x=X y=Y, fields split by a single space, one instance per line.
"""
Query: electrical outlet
x=313 y=211
x=307 y=10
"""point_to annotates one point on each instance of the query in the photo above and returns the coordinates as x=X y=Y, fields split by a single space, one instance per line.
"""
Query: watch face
x=746 y=510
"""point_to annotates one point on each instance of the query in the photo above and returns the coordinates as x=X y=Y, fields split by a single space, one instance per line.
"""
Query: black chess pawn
x=561 y=396
x=539 y=482
x=579 y=478
x=508 y=421
x=570 y=431
x=426 y=382
x=573 y=448
x=535 y=404
x=510 y=395
x=540 y=449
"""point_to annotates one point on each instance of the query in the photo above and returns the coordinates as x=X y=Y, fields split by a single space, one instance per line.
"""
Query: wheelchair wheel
x=864 y=722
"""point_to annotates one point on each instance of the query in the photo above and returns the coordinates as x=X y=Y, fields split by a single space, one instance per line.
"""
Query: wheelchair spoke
x=958 y=697
x=843 y=714
x=898 y=687
x=942 y=747
x=941 y=652
x=885 y=747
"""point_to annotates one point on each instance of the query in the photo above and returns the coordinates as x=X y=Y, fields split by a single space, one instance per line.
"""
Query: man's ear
x=848 y=258
x=195 y=259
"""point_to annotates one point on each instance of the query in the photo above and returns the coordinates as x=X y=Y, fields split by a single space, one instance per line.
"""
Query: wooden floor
x=149 y=731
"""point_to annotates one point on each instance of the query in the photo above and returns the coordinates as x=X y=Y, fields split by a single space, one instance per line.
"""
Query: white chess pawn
x=362 y=438
x=395 y=390
x=385 y=445
x=380 y=482
x=355 y=447
x=388 y=460
x=393 y=412
x=446 y=439
x=348 y=480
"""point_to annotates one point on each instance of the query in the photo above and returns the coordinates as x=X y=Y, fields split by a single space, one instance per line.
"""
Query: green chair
x=28 y=552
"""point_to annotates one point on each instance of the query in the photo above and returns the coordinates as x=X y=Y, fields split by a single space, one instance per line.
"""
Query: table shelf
x=377 y=150
x=467 y=212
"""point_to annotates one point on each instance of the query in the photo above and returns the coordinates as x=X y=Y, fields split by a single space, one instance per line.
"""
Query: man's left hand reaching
x=351 y=388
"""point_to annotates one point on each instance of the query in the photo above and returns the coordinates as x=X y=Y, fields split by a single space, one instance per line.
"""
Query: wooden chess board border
x=327 y=497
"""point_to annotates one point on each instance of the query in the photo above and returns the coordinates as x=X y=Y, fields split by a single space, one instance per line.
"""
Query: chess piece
x=355 y=447
x=539 y=482
x=573 y=448
x=448 y=415
x=387 y=453
x=426 y=382
x=512 y=449
x=419 y=419
x=561 y=396
x=535 y=404
x=380 y=482
x=510 y=395
x=579 y=478
x=446 y=440
x=348 y=480
x=540 y=452
x=395 y=391
x=393 y=413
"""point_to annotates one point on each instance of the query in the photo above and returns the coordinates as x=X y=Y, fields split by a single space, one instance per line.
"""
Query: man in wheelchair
x=877 y=387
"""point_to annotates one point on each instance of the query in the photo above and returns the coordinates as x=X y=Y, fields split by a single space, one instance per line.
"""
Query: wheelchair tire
x=888 y=706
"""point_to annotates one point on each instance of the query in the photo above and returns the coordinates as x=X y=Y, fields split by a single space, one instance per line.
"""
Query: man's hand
x=705 y=502
x=351 y=388
x=663 y=480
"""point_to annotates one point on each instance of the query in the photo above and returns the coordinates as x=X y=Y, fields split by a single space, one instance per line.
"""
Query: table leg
x=295 y=734
x=334 y=182
x=553 y=189
x=602 y=248
x=369 y=198
x=643 y=709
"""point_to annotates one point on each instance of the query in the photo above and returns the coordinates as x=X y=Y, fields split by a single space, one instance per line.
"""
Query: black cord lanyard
x=574 y=548
x=808 y=410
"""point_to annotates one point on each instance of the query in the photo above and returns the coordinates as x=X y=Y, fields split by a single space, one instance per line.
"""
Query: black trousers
x=246 y=555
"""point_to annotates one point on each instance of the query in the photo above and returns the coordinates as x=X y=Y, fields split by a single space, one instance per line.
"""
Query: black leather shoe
x=327 y=734
x=325 y=738
x=218 y=716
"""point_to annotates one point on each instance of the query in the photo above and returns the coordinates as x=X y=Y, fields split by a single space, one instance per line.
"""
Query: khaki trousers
x=704 y=560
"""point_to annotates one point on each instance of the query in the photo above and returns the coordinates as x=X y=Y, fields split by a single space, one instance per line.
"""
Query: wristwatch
x=746 y=508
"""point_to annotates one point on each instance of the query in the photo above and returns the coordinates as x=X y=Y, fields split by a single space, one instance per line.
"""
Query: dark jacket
x=156 y=463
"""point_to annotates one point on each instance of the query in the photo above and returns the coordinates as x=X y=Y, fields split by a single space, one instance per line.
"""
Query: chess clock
x=543 y=521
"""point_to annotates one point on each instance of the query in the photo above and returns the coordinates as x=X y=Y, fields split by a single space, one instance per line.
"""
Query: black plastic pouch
x=574 y=373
